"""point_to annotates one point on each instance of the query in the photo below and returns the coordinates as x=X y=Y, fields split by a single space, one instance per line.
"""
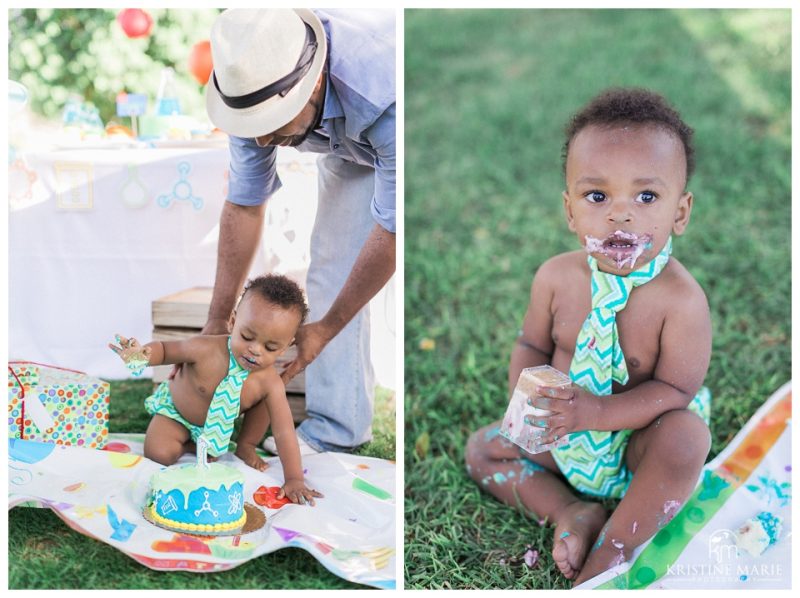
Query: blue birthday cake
x=194 y=499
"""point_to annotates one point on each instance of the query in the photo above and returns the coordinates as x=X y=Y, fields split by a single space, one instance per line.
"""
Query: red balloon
x=135 y=22
x=200 y=63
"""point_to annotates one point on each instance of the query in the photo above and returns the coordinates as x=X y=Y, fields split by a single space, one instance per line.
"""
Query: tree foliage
x=58 y=53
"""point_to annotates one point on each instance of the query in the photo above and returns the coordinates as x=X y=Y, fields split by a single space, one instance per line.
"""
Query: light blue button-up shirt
x=358 y=117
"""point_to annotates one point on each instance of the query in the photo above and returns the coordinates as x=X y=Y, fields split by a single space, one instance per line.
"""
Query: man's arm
x=239 y=234
x=253 y=178
x=373 y=268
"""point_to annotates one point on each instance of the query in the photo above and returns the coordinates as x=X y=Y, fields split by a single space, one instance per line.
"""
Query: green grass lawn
x=487 y=95
x=44 y=553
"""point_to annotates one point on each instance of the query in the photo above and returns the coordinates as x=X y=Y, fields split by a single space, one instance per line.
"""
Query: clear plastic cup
x=514 y=426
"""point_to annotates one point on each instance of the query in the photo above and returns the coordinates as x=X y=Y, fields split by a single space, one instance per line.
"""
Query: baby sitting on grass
x=632 y=328
x=223 y=376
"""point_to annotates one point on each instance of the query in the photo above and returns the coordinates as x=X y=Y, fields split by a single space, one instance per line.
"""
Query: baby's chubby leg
x=165 y=440
x=534 y=484
x=666 y=458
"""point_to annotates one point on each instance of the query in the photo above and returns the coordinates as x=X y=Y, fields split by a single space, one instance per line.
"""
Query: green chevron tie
x=224 y=407
x=588 y=460
x=598 y=357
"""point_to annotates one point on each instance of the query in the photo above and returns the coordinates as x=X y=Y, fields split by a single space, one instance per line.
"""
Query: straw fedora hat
x=266 y=64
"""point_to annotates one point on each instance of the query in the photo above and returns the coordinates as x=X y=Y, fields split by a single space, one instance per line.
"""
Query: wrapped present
x=51 y=404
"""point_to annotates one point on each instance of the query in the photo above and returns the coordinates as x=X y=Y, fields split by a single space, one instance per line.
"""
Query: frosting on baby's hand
x=135 y=357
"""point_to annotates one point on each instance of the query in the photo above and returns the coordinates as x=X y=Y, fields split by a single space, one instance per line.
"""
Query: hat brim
x=272 y=114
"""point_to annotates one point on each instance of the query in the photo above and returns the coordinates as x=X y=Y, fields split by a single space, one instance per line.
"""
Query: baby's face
x=262 y=331
x=625 y=193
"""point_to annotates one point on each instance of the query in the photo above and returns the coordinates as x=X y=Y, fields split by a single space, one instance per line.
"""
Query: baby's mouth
x=622 y=247
x=248 y=362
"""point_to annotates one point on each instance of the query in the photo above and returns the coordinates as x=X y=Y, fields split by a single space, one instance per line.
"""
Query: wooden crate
x=184 y=314
x=185 y=309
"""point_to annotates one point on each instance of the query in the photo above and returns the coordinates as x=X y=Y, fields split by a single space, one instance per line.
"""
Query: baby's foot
x=249 y=456
x=576 y=529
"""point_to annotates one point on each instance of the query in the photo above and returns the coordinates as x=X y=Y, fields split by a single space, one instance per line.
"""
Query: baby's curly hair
x=279 y=290
x=631 y=106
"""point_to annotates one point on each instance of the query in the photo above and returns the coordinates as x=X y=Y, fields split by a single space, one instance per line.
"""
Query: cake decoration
x=201 y=498
x=758 y=533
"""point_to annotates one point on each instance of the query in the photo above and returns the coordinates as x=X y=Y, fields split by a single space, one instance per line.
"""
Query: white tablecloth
x=95 y=235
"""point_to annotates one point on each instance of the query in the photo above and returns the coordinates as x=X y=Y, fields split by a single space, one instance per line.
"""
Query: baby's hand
x=297 y=492
x=247 y=453
x=572 y=409
x=135 y=356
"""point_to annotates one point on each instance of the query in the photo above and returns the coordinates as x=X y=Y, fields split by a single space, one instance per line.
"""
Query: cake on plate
x=202 y=498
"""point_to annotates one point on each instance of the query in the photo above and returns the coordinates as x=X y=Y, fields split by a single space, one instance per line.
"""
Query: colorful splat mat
x=702 y=547
x=101 y=493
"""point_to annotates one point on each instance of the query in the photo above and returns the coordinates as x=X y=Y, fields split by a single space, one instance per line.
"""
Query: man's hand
x=310 y=340
x=572 y=409
x=298 y=493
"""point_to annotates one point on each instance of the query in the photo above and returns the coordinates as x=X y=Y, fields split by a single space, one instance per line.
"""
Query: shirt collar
x=332 y=107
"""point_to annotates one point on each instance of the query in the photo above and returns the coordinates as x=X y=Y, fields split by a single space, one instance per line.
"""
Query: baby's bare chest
x=193 y=391
x=639 y=327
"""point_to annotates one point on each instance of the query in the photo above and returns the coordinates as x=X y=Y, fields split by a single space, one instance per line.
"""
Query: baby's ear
x=568 y=211
x=683 y=213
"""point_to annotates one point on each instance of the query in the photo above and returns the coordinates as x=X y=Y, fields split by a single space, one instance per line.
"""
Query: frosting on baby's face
x=624 y=248
x=625 y=193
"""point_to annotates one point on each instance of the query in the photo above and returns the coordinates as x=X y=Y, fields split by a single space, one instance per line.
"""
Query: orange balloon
x=200 y=64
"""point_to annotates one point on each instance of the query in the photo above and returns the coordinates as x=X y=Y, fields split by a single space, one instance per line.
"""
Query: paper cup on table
x=514 y=426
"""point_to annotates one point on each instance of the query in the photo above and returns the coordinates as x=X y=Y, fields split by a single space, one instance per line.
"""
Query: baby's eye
x=595 y=197
x=270 y=349
x=646 y=197
x=247 y=338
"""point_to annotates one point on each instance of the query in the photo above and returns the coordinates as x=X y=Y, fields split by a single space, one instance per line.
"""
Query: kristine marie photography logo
x=726 y=563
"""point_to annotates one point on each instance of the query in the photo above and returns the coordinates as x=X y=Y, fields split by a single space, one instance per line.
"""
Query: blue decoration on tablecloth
x=182 y=190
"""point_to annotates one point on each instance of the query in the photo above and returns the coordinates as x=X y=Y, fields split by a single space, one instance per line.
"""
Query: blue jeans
x=340 y=383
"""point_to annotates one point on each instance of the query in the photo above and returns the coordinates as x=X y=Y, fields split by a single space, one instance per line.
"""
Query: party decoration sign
x=131 y=104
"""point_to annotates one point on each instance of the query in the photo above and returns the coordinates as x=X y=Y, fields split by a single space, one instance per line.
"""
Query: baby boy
x=223 y=376
x=631 y=327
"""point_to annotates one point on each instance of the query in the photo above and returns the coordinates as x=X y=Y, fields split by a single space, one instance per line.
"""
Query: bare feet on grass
x=575 y=533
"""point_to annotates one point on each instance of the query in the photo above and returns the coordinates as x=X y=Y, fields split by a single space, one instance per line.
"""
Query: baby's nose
x=619 y=213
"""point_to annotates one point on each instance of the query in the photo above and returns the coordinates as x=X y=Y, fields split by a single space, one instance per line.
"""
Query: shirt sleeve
x=381 y=136
x=253 y=175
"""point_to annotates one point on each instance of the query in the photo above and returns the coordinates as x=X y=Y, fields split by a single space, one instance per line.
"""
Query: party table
x=97 y=233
